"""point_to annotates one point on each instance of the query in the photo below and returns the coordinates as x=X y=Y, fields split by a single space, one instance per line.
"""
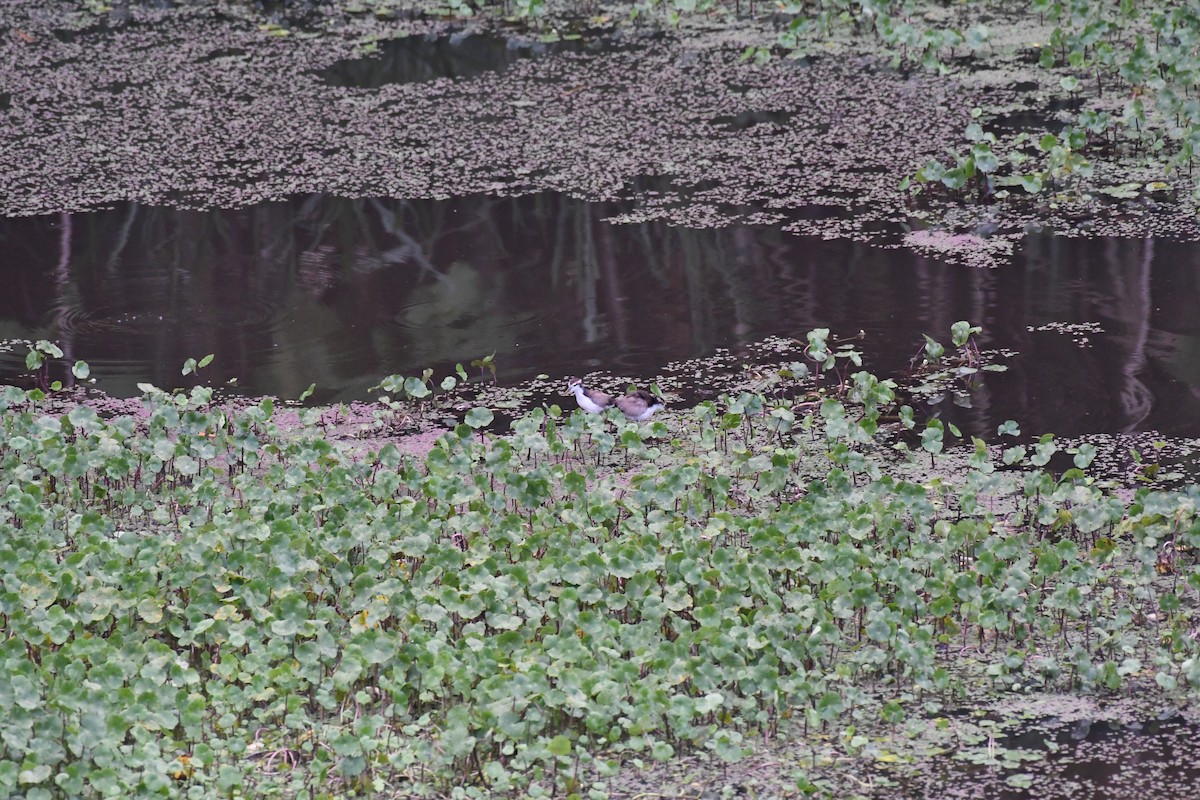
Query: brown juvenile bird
x=637 y=406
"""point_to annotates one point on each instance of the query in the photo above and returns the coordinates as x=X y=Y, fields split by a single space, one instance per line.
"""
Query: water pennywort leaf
x=559 y=746
x=479 y=417
x=1008 y=428
x=1084 y=455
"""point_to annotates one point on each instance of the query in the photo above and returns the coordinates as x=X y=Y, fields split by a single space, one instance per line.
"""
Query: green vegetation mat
x=202 y=603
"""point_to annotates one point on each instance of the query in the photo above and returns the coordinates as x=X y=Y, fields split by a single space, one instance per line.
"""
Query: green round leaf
x=479 y=417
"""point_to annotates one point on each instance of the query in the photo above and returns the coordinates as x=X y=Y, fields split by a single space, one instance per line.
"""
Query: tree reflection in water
x=343 y=291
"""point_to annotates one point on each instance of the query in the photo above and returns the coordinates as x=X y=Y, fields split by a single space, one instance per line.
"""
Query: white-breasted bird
x=590 y=400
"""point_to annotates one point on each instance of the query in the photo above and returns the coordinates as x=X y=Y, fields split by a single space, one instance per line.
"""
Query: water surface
x=343 y=292
x=1083 y=760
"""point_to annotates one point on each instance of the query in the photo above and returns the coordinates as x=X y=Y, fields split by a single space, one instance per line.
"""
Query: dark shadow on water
x=749 y=119
x=1035 y=121
x=419 y=58
x=343 y=292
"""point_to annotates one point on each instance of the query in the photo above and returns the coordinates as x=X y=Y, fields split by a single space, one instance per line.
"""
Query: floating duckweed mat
x=199 y=603
x=200 y=109
x=744 y=117
x=216 y=105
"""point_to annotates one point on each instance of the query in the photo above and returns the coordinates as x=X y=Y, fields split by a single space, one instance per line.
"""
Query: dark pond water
x=1082 y=761
x=343 y=292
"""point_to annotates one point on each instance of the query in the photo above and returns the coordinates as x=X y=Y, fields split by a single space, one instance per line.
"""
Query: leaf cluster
x=198 y=602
